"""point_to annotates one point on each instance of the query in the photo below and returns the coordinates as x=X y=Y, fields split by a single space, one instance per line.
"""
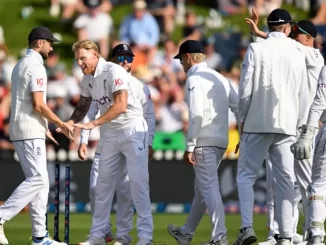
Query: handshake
x=302 y=149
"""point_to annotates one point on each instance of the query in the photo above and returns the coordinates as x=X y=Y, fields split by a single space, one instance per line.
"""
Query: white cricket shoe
x=3 y=239
x=144 y=242
x=246 y=236
x=270 y=241
x=316 y=240
x=126 y=240
x=177 y=234
x=45 y=241
x=93 y=241
x=223 y=241
x=284 y=242
x=297 y=238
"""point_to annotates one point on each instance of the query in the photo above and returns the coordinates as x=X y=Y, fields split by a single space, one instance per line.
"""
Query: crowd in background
x=148 y=30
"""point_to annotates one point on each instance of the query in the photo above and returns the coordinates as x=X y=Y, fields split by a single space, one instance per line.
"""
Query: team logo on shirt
x=191 y=89
x=102 y=101
x=104 y=84
x=316 y=53
x=118 y=81
x=244 y=66
x=39 y=82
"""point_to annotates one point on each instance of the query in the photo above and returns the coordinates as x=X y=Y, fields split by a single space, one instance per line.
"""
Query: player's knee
x=245 y=179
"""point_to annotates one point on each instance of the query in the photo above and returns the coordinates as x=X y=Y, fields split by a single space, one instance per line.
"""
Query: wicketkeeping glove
x=303 y=147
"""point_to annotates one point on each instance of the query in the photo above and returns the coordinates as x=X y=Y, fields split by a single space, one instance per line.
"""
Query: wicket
x=57 y=202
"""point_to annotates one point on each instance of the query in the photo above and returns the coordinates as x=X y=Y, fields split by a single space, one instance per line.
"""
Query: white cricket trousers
x=132 y=143
x=207 y=192
x=317 y=189
x=272 y=223
x=125 y=207
x=253 y=149
x=34 y=190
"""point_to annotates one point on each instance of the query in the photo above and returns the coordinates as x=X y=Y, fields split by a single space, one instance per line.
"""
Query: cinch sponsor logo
x=102 y=101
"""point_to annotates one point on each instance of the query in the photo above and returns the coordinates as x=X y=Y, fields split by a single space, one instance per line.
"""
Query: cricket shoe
x=125 y=240
x=270 y=241
x=93 y=241
x=297 y=238
x=284 y=242
x=177 y=234
x=3 y=239
x=143 y=241
x=223 y=241
x=246 y=236
x=316 y=240
x=46 y=241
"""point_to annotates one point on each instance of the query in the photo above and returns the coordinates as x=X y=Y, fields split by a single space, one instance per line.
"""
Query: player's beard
x=44 y=55
x=127 y=67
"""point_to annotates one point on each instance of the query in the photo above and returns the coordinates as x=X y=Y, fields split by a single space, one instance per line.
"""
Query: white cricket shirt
x=318 y=107
x=273 y=86
x=148 y=108
x=109 y=78
x=28 y=76
x=209 y=96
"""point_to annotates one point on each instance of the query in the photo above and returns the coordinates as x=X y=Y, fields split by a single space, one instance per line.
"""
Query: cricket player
x=121 y=54
x=302 y=149
x=124 y=134
x=272 y=102
x=28 y=129
x=304 y=33
x=209 y=96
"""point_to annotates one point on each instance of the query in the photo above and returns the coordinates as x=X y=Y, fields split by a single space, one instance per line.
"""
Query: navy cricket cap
x=279 y=17
x=121 y=49
x=41 y=32
x=191 y=47
x=305 y=27
x=92 y=3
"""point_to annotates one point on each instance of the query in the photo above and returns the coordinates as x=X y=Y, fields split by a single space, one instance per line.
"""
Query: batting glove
x=303 y=147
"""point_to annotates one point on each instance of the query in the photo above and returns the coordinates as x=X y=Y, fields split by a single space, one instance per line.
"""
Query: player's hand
x=303 y=147
x=69 y=122
x=87 y=126
x=150 y=152
x=189 y=158
x=255 y=16
x=67 y=130
x=254 y=30
x=50 y=136
x=82 y=152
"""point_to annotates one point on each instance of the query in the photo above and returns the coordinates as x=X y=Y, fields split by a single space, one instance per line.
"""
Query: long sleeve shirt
x=273 y=85
x=209 y=96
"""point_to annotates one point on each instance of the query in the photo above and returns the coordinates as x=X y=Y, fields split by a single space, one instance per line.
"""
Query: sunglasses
x=122 y=58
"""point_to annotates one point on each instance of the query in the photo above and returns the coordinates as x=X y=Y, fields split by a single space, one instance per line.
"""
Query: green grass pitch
x=18 y=230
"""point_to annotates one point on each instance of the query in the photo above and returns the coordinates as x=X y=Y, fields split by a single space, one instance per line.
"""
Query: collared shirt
x=28 y=76
x=209 y=96
x=109 y=78
x=144 y=96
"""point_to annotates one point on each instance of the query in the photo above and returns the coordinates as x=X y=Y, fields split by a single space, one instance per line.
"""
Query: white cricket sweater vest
x=274 y=106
